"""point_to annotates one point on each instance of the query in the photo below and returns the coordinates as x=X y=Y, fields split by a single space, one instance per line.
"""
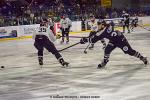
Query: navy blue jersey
x=113 y=36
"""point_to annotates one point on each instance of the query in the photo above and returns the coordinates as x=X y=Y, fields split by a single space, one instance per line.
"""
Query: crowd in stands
x=16 y=13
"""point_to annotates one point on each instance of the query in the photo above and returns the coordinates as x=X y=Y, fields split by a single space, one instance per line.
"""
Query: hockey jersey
x=50 y=22
x=43 y=30
x=93 y=25
x=108 y=33
x=125 y=17
x=65 y=23
x=135 y=20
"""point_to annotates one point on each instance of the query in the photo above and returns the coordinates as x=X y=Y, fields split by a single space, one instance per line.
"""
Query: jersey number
x=113 y=34
x=42 y=30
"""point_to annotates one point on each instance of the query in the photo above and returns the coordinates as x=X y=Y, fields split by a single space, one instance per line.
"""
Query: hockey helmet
x=101 y=21
x=43 y=21
x=92 y=17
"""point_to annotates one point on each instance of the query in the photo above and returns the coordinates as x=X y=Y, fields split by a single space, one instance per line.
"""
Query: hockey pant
x=65 y=33
x=126 y=48
x=42 y=42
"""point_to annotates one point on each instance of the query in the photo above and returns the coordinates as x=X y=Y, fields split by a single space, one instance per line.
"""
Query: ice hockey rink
x=124 y=78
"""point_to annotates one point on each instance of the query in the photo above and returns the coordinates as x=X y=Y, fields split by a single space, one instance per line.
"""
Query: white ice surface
x=124 y=78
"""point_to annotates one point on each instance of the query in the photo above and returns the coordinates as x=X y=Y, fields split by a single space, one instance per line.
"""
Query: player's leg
x=131 y=26
x=67 y=35
x=39 y=46
x=136 y=24
x=63 y=35
x=51 y=48
x=127 y=49
x=109 y=48
x=124 y=28
x=127 y=25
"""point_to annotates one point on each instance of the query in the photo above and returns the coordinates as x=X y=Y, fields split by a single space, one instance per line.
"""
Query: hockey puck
x=85 y=52
x=2 y=67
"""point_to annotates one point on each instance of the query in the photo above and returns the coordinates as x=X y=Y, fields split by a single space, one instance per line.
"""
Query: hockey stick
x=69 y=47
x=59 y=36
x=77 y=37
x=85 y=50
x=144 y=28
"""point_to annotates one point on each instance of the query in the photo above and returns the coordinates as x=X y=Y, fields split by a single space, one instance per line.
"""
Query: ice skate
x=91 y=47
x=145 y=61
x=40 y=60
x=63 y=63
x=101 y=66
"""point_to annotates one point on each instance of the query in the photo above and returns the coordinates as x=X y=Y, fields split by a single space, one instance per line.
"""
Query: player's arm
x=34 y=34
x=92 y=39
x=51 y=35
x=97 y=37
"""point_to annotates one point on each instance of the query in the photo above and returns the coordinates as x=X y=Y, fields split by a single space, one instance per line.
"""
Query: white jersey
x=43 y=30
x=65 y=23
x=93 y=25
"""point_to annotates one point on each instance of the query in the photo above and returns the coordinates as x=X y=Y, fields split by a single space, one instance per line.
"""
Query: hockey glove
x=83 y=40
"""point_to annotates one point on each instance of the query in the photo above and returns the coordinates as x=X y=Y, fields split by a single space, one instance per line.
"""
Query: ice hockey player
x=125 y=21
x=44 y=38
x=65 y=24
x=134 y=23
x=116 y=39
x=94 y=28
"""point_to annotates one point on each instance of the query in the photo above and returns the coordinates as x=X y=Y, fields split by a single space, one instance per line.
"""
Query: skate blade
x=65 y=66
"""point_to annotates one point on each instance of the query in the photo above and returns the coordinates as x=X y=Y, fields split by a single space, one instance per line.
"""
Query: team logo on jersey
x=109 y=29
x=114 y=34
x=125 y=48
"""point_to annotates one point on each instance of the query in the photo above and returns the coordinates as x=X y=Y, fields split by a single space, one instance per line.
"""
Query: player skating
x=116 y=39
x=65 y=24
x=44 y=38
x=125 y=21
x=134 y=23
